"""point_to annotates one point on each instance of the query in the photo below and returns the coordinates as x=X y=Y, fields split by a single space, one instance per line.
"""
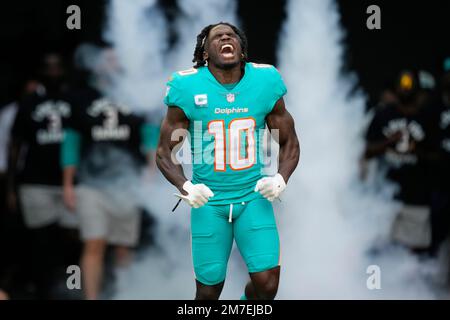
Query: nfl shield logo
x=230 y=97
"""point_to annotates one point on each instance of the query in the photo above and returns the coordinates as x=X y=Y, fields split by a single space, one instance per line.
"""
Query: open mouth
x=227 y=50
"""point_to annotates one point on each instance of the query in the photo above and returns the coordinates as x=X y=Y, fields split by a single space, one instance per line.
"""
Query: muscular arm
x=289 y=154
x=175 y=119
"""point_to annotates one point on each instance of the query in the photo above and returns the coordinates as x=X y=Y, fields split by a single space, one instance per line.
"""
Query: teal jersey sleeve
x=70 y=148
x=149 y=137
x=176 y=94
x=276 y=87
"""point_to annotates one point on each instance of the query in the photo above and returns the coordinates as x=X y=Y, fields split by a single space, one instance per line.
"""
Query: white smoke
x=195 y=15
x=137 y=31
x=329 y=221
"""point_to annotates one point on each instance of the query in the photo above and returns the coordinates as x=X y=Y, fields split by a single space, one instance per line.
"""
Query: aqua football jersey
x=226 y=126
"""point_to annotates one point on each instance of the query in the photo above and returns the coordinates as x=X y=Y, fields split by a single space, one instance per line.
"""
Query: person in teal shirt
x=224 y=104
x=104 y=150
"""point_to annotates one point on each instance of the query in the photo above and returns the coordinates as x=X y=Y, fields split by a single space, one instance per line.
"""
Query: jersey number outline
x=235 y=127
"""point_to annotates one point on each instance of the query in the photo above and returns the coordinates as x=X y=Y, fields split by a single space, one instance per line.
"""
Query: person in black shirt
x=34 y=172
x=104 y=149
x=440 y=167
x=399 y=136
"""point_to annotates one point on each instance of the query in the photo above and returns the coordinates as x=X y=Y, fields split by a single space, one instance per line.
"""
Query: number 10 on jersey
x=240 y=131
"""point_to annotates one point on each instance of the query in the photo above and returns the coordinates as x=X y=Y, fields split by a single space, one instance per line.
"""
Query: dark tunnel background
x=412 y=35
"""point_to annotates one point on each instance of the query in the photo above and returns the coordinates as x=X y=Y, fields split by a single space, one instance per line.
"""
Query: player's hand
x=197 y=194
x=271 y=187
x=69 y=197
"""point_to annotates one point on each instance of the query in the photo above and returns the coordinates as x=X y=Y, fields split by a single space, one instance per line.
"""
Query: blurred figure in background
x=34 y=174
x=14 y=238
x=105 y=147
x=387 y=98
x=440 y=198
x=399 y=136
x=427 y=93
x=8 y=109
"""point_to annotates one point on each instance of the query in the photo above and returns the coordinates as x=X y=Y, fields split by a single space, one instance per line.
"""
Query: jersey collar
x=238 y=85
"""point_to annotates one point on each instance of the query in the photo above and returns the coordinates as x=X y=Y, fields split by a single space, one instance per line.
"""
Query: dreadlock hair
x=202 y=37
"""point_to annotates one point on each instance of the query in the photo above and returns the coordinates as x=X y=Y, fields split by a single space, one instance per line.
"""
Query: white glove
x=271 y=187
x=198 y=194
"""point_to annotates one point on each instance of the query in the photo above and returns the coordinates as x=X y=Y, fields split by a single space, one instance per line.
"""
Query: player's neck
x=224 y=76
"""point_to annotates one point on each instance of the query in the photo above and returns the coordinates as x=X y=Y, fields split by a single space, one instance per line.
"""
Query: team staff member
x=37 y=134
x=399 y=135
x=105 y=147
x=440 y=197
